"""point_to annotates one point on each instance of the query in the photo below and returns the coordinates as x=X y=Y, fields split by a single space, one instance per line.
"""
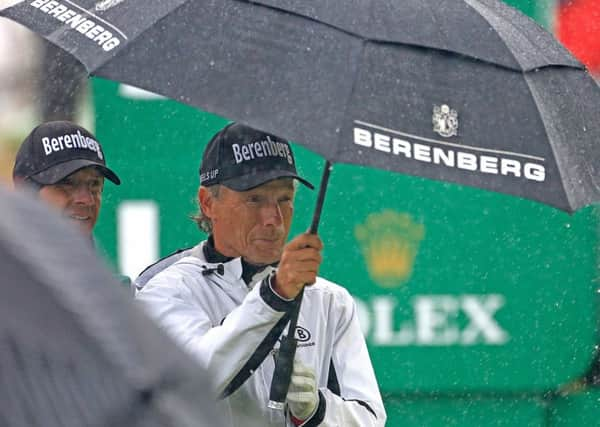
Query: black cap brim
x=248 y=182
x=60 y=171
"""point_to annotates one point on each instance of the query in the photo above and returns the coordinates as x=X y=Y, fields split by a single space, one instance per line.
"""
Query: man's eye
x=254 y=199
x=96 y=184
x=66 y=182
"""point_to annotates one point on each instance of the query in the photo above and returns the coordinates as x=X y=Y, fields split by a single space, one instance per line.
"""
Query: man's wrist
x=272 y=298
x=277 y=290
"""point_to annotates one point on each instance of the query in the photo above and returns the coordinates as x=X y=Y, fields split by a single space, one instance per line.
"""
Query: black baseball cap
x=242 y=158
x=55 y=150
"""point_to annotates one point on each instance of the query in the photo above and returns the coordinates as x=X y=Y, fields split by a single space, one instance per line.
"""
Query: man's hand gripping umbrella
x=290 y=283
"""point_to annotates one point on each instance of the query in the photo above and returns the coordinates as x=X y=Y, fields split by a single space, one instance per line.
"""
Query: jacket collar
x=232 y=266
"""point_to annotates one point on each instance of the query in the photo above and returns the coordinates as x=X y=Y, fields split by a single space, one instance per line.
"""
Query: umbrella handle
x=284 y=361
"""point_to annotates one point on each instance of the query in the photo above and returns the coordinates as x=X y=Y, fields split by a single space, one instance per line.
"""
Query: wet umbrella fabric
x=464 y=91
x=74 y=350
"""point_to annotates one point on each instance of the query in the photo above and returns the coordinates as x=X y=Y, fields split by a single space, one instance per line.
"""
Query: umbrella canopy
x=465 y=91
x=74 y=350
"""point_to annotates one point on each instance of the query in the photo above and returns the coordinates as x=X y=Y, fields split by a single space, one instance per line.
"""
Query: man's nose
x=272 y=214
x=83 y=194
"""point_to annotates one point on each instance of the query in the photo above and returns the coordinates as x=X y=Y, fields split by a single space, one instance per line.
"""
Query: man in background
x=66 y=166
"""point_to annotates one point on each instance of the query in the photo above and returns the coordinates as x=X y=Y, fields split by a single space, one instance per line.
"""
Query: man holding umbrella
x=228 y=299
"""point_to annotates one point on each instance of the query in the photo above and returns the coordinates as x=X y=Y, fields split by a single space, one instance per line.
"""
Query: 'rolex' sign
x=433 y=320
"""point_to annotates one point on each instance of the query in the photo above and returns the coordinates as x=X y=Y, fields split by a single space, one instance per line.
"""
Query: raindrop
x=211 y=63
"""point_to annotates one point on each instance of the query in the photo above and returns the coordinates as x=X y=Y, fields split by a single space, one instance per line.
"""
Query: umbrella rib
x=450 y=144
x=539 y=105
x=371 y=38
x=481 y=9
x=434 y=17
x=484 y=12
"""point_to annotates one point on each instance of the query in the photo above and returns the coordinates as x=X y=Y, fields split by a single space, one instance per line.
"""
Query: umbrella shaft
x=320 y=198
x=287 y=350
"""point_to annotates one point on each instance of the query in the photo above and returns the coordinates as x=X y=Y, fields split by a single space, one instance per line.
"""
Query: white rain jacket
x=232 y=329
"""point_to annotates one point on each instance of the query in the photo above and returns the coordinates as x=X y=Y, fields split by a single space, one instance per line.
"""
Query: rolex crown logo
x=389 y=242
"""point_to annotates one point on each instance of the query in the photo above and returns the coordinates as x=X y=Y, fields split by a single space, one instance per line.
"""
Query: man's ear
x=205 y=200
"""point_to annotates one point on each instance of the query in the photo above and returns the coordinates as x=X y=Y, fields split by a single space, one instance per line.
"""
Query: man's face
x=78 y=197
x=253 y=224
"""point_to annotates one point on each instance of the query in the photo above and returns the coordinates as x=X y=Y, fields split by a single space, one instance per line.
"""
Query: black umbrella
x=74 y=349
x=464 y=91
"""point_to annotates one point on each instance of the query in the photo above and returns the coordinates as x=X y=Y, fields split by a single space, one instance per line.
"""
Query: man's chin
x=263 y=258
x=85 y=226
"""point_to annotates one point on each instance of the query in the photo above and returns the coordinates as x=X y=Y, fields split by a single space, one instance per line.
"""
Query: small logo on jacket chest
x=302 y=334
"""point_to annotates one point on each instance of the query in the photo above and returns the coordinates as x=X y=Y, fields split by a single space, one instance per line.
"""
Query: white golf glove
x=302 y=397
